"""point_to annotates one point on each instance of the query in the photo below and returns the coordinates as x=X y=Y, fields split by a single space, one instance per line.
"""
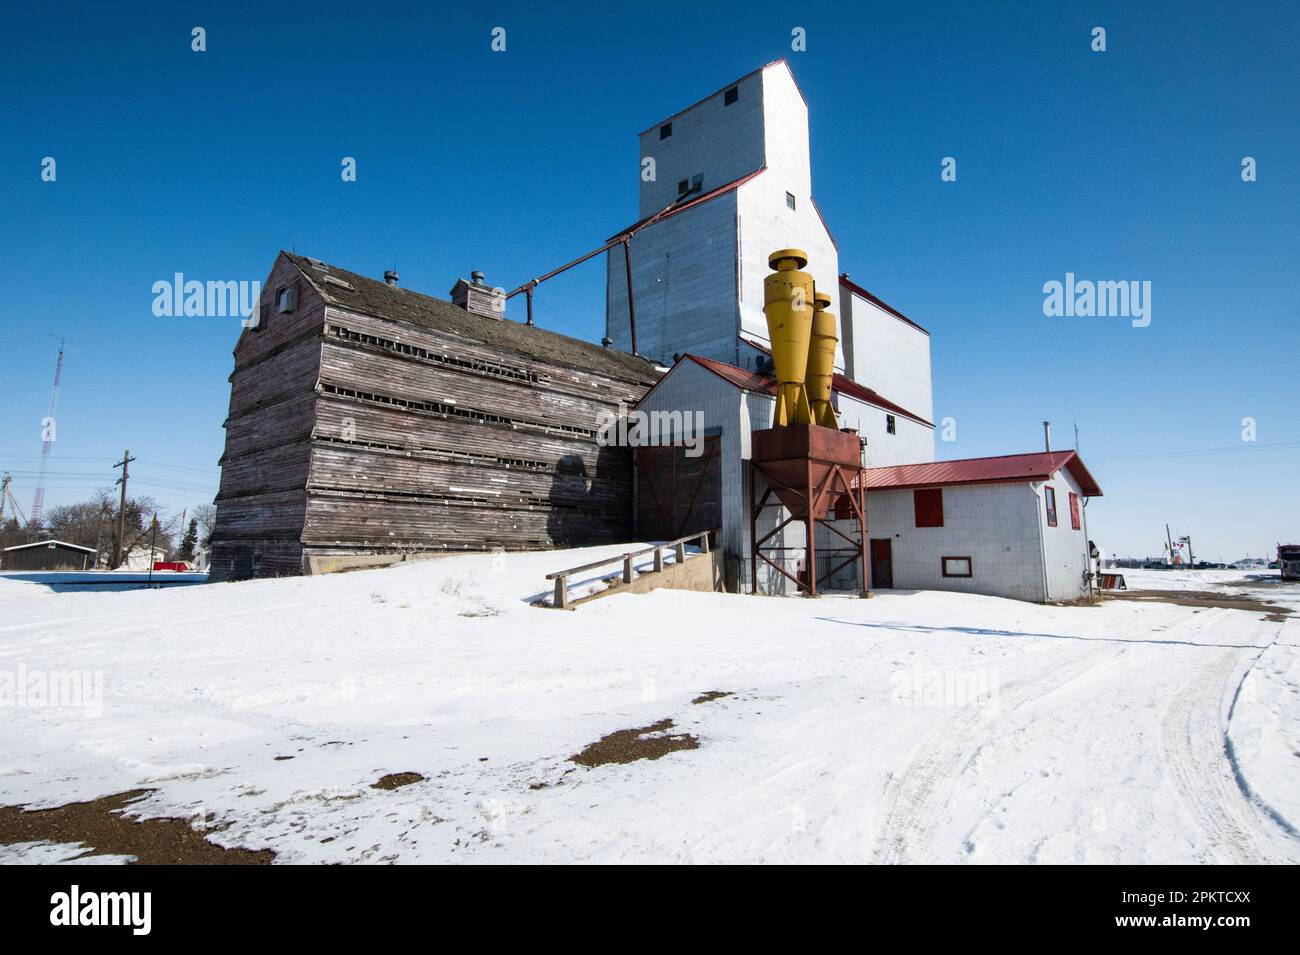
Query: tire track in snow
x=911 y=802
x=1194 y=749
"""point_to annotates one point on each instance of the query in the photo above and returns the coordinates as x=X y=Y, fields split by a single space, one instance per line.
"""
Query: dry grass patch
x=101 y=826
x=627 y=746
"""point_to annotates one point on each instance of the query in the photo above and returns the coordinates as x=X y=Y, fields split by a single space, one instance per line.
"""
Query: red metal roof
x=750 y=381
x=660 y=216
x=848 y=386
x=817 y=209
x=875 y=300
x=1038 y=466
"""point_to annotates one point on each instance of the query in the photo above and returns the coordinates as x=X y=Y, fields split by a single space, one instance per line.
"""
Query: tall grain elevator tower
x=729 y=180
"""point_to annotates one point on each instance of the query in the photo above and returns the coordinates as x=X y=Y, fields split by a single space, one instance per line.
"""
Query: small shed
x=1006 y=526
x=49 y=555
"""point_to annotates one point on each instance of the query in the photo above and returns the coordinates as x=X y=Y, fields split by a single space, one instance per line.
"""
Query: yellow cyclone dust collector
x=821 y=362
x=788 y=307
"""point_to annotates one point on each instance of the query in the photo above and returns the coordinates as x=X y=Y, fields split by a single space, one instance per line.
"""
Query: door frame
x=888 y=558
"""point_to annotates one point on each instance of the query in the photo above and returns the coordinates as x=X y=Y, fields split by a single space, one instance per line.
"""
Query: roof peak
x=369 y=296
x=1001 y=468
x=779 y=61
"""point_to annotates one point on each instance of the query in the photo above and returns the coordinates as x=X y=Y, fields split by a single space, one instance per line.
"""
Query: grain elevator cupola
x=476 y=296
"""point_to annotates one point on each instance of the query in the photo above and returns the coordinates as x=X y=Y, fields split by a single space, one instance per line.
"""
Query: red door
x=882 y=563
x=677 y=494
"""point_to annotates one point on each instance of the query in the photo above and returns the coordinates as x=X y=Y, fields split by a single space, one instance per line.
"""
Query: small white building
x=1009 y=526
x=142 y=556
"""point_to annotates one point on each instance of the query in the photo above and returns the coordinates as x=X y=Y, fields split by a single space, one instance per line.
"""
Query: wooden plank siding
x=352 y=433
x=262 y=500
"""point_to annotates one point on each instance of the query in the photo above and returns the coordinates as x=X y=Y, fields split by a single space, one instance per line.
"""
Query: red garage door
x=677 y=494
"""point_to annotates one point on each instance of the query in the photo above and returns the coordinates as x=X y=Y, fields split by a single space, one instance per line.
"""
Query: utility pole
x=1169 y=538
x=121 y=510
x=47 y=438
x=153 y=540
x=4 y=495
x=99 y=538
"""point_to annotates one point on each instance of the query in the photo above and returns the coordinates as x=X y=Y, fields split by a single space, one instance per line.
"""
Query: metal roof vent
x=390 y=277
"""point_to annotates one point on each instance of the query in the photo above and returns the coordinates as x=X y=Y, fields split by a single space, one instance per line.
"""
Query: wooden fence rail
x=561 y=577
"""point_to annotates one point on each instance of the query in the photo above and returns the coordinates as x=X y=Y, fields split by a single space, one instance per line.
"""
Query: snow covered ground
x=913 y=727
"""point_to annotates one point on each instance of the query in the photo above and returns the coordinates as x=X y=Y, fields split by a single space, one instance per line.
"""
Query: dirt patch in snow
x=1205 y=598
x=101 y=826
x=396 y=780
x=711 y=696
x=627 y=746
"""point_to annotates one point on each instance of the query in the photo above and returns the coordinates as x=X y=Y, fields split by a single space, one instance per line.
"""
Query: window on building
x=957 y=567
x=1075 y=521
x=928 y=506
x=1049 y=495
x=730 y=96
x=891 y=424
x=683 y=187
x=697 y=182
x=665 y=130
x=789 y=199
x=286 y=299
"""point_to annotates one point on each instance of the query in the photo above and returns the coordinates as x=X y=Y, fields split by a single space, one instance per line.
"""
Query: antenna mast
x=47 y=432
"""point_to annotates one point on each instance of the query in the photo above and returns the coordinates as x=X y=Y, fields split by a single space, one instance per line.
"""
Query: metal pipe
x=862 y=524
x=627 y=265
x=620 y=239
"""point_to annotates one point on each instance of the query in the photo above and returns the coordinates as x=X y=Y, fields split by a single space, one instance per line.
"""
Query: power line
x=106 y=460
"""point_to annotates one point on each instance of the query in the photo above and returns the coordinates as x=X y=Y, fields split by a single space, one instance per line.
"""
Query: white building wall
x=1064 y=549
x=684 y=283
x=785 y=130
x=766 y=224
x=756 y=413
x=998 y=526
x=912 y=442
x=887 y=354
x=698 y=275
x=721 y=143
x=731 y=413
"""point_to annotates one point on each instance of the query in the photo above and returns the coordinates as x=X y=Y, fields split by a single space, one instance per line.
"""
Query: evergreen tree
x=189 y=540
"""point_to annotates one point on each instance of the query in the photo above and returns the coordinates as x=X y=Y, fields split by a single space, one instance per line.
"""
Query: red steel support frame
x=812 y=496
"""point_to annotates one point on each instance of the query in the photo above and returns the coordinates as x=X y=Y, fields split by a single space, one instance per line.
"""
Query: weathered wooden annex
x=367 y=419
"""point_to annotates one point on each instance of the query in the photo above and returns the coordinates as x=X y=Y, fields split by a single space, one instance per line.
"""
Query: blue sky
x=1117 y=165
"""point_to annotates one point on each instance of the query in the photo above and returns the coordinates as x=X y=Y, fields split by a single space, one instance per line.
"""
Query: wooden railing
x=561 y=577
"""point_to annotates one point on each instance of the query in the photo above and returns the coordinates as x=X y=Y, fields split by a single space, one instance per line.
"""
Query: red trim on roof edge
x=999 y=469
x=817 y=209
x=729 y=187
x=848 y=386
x=876 y=300
x=749 y=381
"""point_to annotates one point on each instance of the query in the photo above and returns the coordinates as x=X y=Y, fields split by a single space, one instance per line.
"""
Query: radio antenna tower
x=47 y=433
